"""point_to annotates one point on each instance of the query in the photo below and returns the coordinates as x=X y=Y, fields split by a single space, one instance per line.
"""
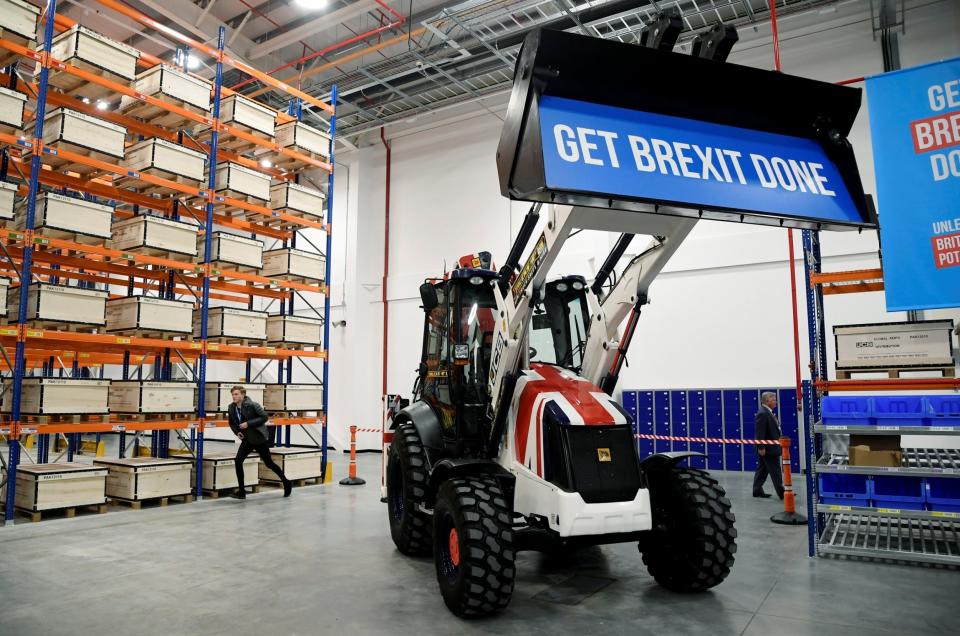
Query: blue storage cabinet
x=714 y=419
x=789 y=425
x=943 y=494
x=732 y=429
x=645 y=421
x=749 y=405
x=661 y=420
x=697 y=426
x=628 y=399
x=678 y=419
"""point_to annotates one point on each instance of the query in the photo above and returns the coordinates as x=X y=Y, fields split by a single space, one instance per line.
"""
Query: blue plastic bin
x=943 y=410
x=846 y=410
x=900 y=410
x=844 y=490
x=898 y=491
x=943 y=494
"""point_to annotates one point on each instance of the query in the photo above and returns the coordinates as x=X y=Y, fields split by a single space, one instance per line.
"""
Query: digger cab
x=458 y=331
x=558 y=327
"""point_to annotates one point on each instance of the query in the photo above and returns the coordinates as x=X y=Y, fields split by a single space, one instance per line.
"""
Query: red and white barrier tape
x=709 y=440
x=369 y=430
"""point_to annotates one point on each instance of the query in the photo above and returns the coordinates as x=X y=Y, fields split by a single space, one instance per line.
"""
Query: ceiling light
x=102 y=105
x=312 y=5
x=192 y=62
x=266 y=163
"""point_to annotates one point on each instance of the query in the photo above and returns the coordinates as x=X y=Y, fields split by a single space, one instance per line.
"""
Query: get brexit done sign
x=915 y=126
x=617 y=152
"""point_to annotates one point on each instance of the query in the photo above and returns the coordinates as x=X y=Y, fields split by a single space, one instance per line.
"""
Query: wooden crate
x=68 y=129
x=219 y=472
x=282 y=329
x=149 y=234
x=59 y=216
x=230 y=323
x=4 y=295
x=150 y=314
x=297 y=463
x=894 y=345
x=298 y=200
x=239 y=111
x=240 y=182
x=230 y=249
x=166 y=159
x=217 y=395
x=139 y=478
x=172 y=86
x=93 y=52
x=303 y=138
x=12 y=104
x=59 y=396
x=142 y=396
x=280 y=398
x=62 y=304
x=292 y=263
x=8 y=192
x=18 y=23
x=54 y=486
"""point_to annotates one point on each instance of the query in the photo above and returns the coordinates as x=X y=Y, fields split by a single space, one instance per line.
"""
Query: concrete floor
x=322 y=563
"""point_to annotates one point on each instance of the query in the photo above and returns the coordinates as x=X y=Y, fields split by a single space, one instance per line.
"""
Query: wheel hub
x=454 y=547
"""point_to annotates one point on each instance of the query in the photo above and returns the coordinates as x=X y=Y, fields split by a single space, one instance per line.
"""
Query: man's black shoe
x=762 y=494
x=239 y=495
x=287 y=488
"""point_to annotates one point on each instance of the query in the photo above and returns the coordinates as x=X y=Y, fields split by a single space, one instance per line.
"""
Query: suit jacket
x=767 y=428
x=255 y=417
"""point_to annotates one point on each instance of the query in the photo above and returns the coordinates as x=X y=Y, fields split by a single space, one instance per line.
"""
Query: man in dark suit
x=248 y=421
x=768 y=427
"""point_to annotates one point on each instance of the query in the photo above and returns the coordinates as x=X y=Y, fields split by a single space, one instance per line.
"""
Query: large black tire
x=406 y=490
x=473 y=546
x=692 y=543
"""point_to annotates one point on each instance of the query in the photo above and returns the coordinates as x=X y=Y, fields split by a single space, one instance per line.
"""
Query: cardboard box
x=875 y=450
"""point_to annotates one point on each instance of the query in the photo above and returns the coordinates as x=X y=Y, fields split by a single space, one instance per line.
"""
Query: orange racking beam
x=154 y=425
x=902 y=384
x=133 y=14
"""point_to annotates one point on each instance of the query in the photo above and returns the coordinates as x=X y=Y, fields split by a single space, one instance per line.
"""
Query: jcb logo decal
x=603 y=455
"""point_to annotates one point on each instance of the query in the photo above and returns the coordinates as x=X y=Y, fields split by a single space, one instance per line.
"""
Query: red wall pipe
x=386 y=258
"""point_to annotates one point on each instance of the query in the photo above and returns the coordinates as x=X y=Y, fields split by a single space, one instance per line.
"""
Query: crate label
x=889 y=511
x=118 y=427
x=213 y=347
x=8 y=332
x=196 y=345
x=26 y=429
x=888 y=428
x=123 y=340
x=947 y=515
x=839 y=508
x=48 y=477
x=34 y=334
x=944 y=428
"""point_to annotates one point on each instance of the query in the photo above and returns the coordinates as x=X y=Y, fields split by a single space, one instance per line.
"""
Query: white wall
x=720 y=314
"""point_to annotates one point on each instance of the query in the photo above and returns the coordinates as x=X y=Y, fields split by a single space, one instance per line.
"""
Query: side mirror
x=428 y=296
x=422 y=370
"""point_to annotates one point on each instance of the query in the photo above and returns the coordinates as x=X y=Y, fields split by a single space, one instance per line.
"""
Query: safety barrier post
x=352 y=479
x=789 y=515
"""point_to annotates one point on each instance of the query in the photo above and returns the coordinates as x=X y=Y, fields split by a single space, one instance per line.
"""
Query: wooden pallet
x=66 y=165
x=155 y=417
x=294 y=278
x=79 y=87
x=273 y=221
x=239 y=196
x=65 y=418
x=150 y=333
x=895 y=374
x=56 y=325
x=286 y=162
x=86 y=239
x=248 y=269
x=68 y=513
x=144 y=187
x=295 y=346
x=240 y=342
x=216 y=494
x=162 y=117
x=137 y=504
x=161 y=253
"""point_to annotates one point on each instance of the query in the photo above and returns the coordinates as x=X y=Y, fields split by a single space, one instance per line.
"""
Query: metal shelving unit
x=28 y=255
x=886 y=533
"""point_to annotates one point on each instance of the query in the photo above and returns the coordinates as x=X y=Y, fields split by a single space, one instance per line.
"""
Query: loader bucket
x=600 y=123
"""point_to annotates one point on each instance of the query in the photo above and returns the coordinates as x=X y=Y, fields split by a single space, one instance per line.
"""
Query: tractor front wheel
x=473 y=546
x=406 y=490
x=692 y=543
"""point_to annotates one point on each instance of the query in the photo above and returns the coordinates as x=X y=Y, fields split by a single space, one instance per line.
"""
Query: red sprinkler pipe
x=386 y=258
x=793 y=266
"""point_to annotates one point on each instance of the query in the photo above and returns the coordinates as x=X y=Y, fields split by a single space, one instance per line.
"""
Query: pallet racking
x=888 y=533
x=30 y=255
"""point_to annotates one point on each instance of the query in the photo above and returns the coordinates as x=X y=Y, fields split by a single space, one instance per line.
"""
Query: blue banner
x=625 y=153
x=915 y=126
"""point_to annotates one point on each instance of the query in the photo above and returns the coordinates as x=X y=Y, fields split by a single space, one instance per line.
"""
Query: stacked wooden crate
x=70 y=399
x=18 y=23
x=95 y=53
x=299 y=465
x=69 y=218
x=138 y=479
x=42 y=488
x=219 y=473
x=156 y=236
x=62 y=306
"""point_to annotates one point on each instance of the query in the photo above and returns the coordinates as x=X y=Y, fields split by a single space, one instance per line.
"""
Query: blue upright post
x=208 y=230
x=26 y=267
x=326 y=283
x=811 y=404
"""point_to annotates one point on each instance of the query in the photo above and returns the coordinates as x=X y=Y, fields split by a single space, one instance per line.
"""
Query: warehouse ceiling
x=395 y=60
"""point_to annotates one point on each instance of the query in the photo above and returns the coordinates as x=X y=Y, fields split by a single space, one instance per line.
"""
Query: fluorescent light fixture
x=266 y=163
x=102 y=105
x=311 y=5
x=192 y=63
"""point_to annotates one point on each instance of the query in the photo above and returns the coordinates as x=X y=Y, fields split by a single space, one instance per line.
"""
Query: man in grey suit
x=768 y=427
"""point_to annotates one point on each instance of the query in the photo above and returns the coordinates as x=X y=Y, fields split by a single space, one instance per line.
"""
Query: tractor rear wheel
x=692 y=543
x=406 y=490
x=473 y=546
